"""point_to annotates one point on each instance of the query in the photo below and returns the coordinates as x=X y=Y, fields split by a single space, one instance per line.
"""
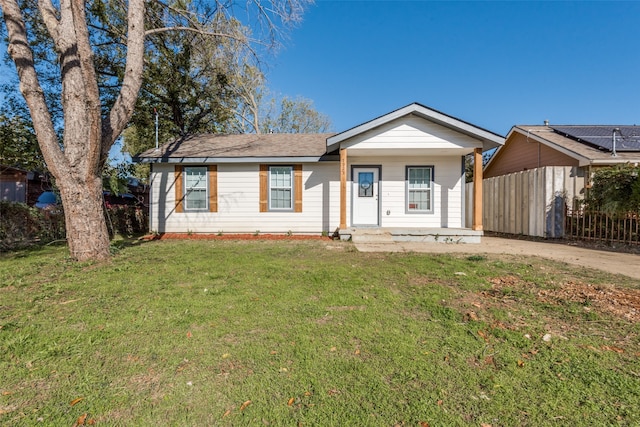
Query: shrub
x=21 y=225
x=615 y=189
x=127 y=220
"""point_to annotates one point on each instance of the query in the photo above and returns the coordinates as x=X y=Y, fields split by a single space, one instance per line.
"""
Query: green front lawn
x=198 y=333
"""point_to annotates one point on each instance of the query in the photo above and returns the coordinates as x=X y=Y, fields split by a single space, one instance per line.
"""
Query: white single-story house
x=401 y=171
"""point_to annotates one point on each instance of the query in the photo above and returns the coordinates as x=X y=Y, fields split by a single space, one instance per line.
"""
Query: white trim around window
x=419 y=189
x=280 y=188
x=196 y=189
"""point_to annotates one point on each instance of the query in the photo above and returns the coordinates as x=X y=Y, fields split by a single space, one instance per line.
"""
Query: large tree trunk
x=87 y=233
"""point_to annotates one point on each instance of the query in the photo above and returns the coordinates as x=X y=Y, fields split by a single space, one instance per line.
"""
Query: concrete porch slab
x=391 y=235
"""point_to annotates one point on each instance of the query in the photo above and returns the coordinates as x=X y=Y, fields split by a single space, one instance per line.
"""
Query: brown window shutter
x=178 y=186
x=297 y=188
x=213 y=188
x=264 y=199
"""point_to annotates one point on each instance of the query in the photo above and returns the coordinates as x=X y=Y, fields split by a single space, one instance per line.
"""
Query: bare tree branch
x=22 y=55
x=122 y=109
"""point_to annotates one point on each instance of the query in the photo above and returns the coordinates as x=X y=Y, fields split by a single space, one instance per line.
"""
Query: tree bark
x=77 y=166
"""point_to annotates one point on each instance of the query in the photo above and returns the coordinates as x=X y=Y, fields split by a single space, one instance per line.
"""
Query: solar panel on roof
x=601 y=137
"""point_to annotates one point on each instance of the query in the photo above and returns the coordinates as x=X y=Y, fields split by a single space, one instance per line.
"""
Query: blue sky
x=494 y=64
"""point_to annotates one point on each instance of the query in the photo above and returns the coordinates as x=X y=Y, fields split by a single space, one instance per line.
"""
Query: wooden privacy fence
x=530 y=203
x=602 y=227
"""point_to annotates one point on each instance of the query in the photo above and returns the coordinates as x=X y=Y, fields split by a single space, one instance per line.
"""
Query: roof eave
x=228 y=160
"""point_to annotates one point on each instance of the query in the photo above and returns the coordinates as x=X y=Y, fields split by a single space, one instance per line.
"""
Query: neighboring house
x=18 y=185
x=403 y=170
x=542 y=172
x=583 y=147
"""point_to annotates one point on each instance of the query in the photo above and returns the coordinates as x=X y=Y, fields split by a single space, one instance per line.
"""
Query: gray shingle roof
x=208 y=146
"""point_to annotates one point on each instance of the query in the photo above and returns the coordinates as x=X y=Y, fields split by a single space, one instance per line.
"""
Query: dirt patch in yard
x=624 y=303
x=619 y=302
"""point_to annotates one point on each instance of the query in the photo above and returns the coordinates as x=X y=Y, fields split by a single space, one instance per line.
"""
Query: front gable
x=411 y=135
x=416 y=127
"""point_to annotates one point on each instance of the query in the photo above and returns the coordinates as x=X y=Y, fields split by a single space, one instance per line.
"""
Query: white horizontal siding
x=412 y=133
x=238 y=203
x=238 y=198
x=447 y=191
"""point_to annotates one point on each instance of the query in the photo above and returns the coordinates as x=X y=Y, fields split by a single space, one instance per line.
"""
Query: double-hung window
x=195 y=188
x=420 y=189
x=280 y=188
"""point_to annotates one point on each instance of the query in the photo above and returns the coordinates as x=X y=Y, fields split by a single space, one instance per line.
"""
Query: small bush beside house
x=611 y=211
x=127 y=220
x=615 y=190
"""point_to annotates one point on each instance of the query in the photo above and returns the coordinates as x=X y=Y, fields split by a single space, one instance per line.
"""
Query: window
x=195 y=186
x=280 y=187
x=365 y=181
x=419 y=188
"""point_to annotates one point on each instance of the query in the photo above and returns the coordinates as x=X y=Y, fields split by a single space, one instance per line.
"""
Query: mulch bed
x=206 y=236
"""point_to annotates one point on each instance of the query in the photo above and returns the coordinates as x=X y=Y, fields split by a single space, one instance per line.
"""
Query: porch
x=425 y=235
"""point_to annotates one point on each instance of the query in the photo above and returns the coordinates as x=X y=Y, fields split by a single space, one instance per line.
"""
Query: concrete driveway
x=611 y=262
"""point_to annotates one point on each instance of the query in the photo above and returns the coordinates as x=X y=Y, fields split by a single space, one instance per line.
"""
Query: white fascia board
x=219 y=160
x=489 y=139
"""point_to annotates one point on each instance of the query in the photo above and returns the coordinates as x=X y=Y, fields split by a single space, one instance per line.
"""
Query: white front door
x=364 y=196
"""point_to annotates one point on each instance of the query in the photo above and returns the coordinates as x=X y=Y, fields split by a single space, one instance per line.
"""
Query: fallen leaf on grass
x=7 y=393
x=76 y=401
x=357 y=352
x=307 y=393
x=440 y=402
x=227 y=413
x=189 y=334
x=80 y=421
x=520 y=363
x=611 y=348
x=424 y=424
x=333 y=349
x=483 y=335
x=244 y=405
x=290 y=402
